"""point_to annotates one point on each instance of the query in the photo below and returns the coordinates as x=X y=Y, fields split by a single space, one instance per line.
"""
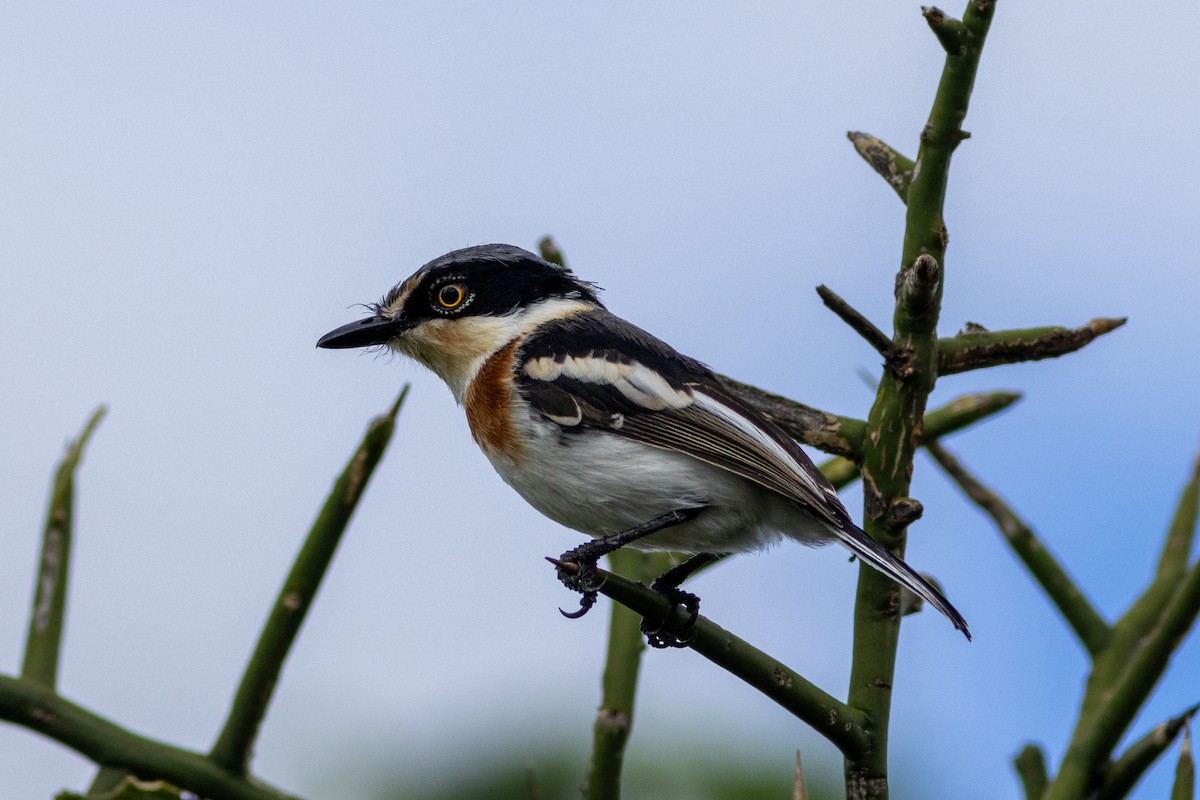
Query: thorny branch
x=976 y=348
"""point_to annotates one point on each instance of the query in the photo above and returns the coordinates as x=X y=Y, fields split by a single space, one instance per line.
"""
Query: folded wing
x=598 y=371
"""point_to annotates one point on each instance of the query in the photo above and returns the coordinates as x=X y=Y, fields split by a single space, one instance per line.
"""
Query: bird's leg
x=675 y=576
x=661 y=635
x=583 y=578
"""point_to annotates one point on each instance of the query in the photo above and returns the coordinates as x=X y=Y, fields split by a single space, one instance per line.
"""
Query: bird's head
x=458 y=309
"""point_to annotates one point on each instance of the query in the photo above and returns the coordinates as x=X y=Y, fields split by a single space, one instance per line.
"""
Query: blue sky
x=191 y=194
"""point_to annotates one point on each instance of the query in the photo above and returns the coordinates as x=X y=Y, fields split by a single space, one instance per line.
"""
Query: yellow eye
x=451 y=296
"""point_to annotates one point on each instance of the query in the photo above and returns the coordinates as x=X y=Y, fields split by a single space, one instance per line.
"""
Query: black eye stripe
x=494 y=284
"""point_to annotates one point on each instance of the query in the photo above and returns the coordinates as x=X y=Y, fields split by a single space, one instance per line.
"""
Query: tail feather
x=881 y=559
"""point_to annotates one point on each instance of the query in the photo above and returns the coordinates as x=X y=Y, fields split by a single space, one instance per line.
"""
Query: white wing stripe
x=636 y=382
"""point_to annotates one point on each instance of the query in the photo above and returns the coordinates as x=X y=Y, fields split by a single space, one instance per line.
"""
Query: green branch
x=1120 y=778
x=1176 y=552
x=976 y=348
x=614 y=718
x=1030 y=765
x=233 y=746
x=1126 y=697
x=1146 y=612
x=39 y=709
x=828 y=716
x=1184 y=787
x=1068 y=598
x=894 y=424
x=1128 y=669
x=44 y=639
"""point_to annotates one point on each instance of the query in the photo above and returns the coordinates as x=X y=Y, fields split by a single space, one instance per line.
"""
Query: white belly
x=600 y=483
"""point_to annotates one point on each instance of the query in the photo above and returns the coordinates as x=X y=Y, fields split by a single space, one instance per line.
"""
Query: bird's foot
x=667 y=633
x=578 y=572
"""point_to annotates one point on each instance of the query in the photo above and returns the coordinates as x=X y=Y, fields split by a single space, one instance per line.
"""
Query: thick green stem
x=44 y=639
x=894 y=424
x=614 y=719
x=39 y=709
x=233 y=747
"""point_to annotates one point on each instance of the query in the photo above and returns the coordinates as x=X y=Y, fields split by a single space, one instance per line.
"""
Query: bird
x=606 y=429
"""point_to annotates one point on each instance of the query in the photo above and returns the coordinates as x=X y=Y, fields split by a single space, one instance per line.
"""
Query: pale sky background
x=191 y=194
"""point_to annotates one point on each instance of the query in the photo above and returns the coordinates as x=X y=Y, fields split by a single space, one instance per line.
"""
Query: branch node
x=904 y=511
x=917 y=285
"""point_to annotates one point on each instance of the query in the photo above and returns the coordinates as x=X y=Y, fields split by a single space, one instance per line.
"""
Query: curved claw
x=585 y=605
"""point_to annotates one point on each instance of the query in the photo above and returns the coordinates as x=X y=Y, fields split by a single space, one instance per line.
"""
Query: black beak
x=364 y=333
